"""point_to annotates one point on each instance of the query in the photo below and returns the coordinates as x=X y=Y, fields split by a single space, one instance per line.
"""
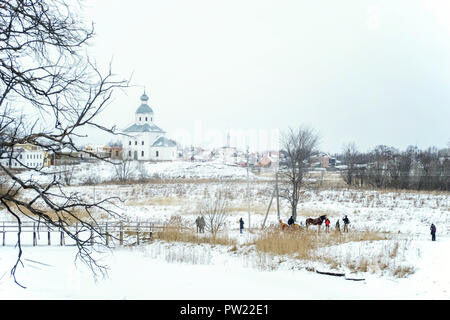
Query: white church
x=146 y=141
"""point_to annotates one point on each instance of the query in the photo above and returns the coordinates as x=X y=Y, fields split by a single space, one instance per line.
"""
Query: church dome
x=144 y=107
x=144 y=97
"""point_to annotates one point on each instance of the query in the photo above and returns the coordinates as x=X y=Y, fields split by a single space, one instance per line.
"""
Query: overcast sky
x=373 y=72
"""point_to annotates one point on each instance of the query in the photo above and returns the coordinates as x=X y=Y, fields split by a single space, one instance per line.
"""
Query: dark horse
x=316 y=222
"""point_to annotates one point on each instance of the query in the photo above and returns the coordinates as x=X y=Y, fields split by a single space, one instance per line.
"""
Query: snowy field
x=151 y=272
x=174 y=270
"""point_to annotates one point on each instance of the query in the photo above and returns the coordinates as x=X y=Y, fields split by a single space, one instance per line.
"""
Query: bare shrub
x=215 y=208
x=124 y=170
x=176 y=231
x=403 y=271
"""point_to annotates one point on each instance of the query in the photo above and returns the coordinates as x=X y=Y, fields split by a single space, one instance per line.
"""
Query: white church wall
x=164 y=153
x=143 y=118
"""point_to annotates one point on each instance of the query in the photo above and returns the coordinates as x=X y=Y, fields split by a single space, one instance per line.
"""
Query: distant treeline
x=388 y=167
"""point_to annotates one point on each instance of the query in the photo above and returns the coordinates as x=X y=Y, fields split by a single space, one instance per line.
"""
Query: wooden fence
x=109 y=230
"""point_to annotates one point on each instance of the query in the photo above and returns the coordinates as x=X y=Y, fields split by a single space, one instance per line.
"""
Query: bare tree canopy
x=299 y=145
x=387 y=167
x=50 y=92
x=214 y=209
x=350 y=157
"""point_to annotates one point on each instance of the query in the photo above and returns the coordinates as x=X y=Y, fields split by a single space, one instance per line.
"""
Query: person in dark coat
x=433 y=232
x=241 y=225
x=346 y=223
x=291 y=221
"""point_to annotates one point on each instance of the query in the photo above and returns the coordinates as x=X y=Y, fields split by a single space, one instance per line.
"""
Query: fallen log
x=355 y=279
x=331 y=273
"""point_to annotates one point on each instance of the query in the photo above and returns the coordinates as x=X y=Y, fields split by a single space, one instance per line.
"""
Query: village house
x=24 y=156
x=322 y=161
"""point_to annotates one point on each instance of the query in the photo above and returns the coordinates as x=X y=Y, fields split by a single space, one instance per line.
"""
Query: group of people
x=200 y=223
x=346 y=221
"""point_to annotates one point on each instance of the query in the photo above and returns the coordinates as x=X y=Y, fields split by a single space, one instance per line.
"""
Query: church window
x=129 y=153
x=157 y=153
x=129 y=143
x=139 y=118
x=142 y=153
x=142 y=142
x=135 y=143
x=146 y=119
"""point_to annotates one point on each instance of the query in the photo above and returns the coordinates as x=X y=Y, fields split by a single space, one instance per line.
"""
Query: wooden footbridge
x=113 y=233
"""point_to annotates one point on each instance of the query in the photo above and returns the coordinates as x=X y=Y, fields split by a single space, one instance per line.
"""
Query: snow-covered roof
x=144 y=128
x=164 y=142
x=144 y=108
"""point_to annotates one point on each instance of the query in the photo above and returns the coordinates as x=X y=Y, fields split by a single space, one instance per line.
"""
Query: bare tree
x=215 y=210
x=300 y=145
x=50 y=93
x=67 y=171
x=124 y=169
x=350 y=157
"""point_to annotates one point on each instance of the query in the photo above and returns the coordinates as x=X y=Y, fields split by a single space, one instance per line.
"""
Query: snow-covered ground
x=161 y=270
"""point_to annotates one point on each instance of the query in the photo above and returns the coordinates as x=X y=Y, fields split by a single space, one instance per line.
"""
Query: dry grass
x=304 y=244
x=174 y=231
x=298 y=244
x=75 y=215
x=385 y=260
x=155 y=201
x=403 y=271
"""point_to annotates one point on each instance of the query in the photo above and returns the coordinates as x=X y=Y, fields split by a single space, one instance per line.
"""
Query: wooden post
x=48 y=231
x=137 y=234
x=268 y=209
x=4 y=234
x=278 y=200
x=34 y=235
x=151 y=230
x=92 y=238
x=61 y=240
x=106 y=235
x=121 y=233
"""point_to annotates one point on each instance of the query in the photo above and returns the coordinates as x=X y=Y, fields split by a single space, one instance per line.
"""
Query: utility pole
x=278 y=201
x=248 y=188
x=274 y=194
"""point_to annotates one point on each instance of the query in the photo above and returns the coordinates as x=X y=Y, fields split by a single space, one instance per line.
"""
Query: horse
x=316 y=222
x=295 y=226
x=283 y=225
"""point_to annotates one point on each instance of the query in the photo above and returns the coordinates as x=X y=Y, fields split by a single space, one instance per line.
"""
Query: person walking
x=327 y=225
x=433 y=232
x=346 y=223
x=197 y=223
x=241 y=225
x=338 y=226
x=202 y=224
